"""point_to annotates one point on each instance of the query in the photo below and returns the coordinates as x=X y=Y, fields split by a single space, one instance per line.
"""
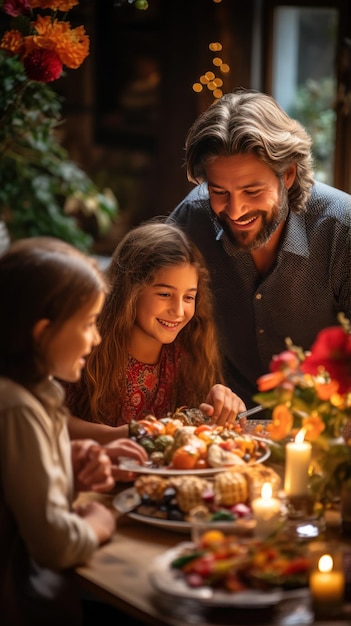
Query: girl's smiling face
x=67 y=348
x=163 y=309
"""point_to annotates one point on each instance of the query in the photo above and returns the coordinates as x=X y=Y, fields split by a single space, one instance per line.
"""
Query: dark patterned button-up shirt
x=308 y=285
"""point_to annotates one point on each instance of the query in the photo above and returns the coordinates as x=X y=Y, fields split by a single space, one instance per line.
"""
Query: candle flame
x=325 y=563
x=300 y=436
x=266 y=491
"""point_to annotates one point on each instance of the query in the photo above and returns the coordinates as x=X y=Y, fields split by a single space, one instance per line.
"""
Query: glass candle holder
x=267 y=511
x=201 y=523
x=305 y=516
x=327 y=582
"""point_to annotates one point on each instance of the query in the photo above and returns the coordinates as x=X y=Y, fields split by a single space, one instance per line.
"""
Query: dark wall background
x=128 y=108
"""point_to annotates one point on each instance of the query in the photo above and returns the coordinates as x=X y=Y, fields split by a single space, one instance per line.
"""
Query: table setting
x=267 y=521
x=254 y=534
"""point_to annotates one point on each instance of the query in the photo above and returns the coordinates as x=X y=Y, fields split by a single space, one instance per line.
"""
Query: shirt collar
x=295 y=238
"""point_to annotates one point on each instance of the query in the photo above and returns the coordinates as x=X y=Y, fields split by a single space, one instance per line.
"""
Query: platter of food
x=188 y=572
x=128 y=464
x=181 y=444
x=181 y=502
x=129 y=502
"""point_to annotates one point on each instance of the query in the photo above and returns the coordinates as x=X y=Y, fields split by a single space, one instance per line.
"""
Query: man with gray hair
x=277 y=243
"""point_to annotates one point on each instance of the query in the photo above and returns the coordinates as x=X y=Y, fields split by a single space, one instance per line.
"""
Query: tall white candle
x=298 y=457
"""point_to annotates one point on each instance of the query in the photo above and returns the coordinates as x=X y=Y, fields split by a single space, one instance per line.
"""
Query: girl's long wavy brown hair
x=144 y=251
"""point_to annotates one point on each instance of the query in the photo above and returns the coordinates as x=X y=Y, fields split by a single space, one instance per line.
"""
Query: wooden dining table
x=118 y=574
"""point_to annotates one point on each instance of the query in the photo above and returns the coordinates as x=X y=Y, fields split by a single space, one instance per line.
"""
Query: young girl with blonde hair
x=158 y=347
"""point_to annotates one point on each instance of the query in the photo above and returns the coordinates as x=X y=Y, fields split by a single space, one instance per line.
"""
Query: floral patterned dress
x=152 y=388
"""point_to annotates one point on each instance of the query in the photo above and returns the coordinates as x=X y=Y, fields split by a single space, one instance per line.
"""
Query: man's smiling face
x=248 y=198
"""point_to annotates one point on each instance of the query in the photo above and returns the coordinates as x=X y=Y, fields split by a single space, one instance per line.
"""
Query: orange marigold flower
x=71 y=45
x=270 y=381
x=282 y=422
x=326 y=390
x=55 y=5
x=74 y=47
x=12 y=41
x=313 y=425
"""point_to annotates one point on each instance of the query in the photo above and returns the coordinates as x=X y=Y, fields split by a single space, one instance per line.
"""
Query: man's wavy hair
x=247 y=121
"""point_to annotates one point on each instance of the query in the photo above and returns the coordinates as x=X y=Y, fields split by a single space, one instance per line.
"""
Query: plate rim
x=181 y=526
x=131 y=466
x=165 y=524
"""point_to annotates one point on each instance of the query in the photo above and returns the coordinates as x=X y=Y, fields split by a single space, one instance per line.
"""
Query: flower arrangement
x=311 y=391
x=38 y=182
x=44 y=43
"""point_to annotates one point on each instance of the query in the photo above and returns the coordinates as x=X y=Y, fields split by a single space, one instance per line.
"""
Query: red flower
x=332 y=352
x=42 y=65
x=16 y=7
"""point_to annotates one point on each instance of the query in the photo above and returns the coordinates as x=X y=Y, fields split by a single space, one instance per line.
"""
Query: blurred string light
x=209 y=79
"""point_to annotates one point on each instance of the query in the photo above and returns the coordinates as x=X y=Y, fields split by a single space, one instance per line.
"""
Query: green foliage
x=36 y=176
x=313 y=107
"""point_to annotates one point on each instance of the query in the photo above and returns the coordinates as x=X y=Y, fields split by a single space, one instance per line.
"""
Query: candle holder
x=305 y=516
x=268 y=511
x=327 y=581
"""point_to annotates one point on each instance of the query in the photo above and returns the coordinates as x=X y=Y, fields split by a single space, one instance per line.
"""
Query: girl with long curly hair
x=158 y=347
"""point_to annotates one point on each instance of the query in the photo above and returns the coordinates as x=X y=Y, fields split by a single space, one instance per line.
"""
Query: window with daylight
x=304 y=75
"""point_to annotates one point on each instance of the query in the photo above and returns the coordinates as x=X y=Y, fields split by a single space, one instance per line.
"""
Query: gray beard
x=269 y=226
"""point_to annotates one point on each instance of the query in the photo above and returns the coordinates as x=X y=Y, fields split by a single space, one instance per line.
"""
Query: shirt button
x=261 y=331
x=258 y=296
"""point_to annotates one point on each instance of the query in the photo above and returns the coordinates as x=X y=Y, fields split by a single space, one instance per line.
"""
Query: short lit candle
x=266 y=511
x=327 y=587
x=298 y=457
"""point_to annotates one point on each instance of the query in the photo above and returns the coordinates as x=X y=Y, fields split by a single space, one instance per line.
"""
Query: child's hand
x=124 y=447
x=91 y=466
x=222 y=405
x=101 y=519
